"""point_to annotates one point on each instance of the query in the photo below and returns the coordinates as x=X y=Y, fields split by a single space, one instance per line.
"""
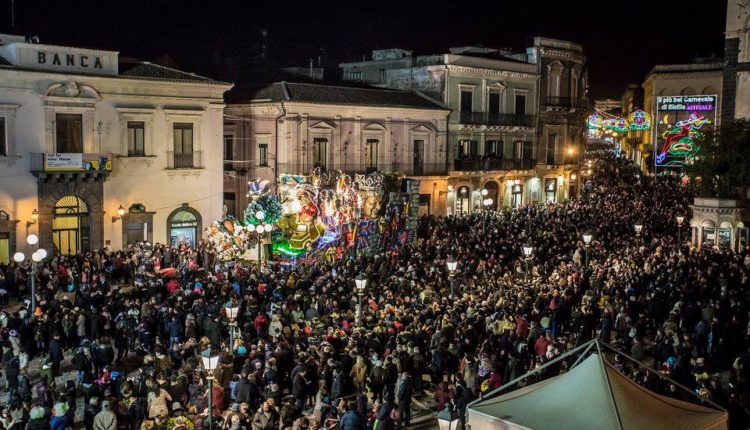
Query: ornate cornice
x=481 y=71
x=565 y=55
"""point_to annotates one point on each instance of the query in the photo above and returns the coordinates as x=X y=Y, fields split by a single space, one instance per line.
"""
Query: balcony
x=497 y=119
x=409 y=169
x=477 y=164
x=72 y=166
x=191 y=160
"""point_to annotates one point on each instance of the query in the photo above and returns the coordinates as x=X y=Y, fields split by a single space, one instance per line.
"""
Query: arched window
x=184 y=225
x=137 y=208
x=709 y=232
x=725 y=235
x=71 y=226
x=463 y=200
x=492 y=193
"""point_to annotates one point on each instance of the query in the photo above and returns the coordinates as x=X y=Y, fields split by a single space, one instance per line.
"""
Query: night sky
x=223 y=38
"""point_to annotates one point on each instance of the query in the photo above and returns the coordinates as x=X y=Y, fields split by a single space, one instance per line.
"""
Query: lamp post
x=527 y=250
x=261 y=229
x=360 y=282
x=449 y=419
x=232 y=309
x=451 y=264
x=36 y=257
x=680 y=219
x=586 y=241
x=210 y=363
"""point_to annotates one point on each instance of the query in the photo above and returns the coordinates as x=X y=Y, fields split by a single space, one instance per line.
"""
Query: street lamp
x=638 y=227
x=680 y=219
x=261 y=229
x=36 y=257
x=484 y=192
x=361 y=283
x=33 y=220
x=527 y=250
x=210 y=363
x=451 y=264
x=586 y=241
x=120 y=213
x=449 y=419
x=232 y=309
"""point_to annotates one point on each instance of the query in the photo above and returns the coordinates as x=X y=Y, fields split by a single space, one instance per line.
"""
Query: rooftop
x=331 y=94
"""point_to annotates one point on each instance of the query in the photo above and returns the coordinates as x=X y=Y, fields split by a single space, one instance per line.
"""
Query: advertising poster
x=681 y=122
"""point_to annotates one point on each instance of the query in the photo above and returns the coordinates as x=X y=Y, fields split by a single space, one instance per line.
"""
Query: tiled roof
x=148 y=70
x=335 y=95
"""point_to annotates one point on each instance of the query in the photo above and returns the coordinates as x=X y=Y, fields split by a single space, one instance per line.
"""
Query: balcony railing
x=489 y=164
x=190 y=160
x=497 y=119
x=411 y=169
x=70 y=162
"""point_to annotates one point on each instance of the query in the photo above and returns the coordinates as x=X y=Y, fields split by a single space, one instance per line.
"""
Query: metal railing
x=497 y=119
x=488 y=164
x=411 y=169
x=190 y=160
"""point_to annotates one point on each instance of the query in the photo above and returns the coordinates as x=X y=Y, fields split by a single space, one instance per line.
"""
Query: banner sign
x=76 y=162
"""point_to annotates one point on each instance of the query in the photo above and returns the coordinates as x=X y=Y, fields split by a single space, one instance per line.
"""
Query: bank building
x=98 y=150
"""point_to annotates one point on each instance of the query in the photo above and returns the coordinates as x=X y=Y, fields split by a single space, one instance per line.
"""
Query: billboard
x=680 y=123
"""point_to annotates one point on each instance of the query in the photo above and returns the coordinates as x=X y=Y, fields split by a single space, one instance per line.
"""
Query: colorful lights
x=680 y=141
x=639 y=120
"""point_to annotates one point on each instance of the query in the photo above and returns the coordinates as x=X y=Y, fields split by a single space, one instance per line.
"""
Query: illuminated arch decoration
x=595 y=121
x=639 y=120
x=621 y=125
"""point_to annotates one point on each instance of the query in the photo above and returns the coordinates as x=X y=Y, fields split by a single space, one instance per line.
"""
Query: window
x=468 y=147
x=527 y=152
x=135 y=139
x=493 y=147
x=494 y=103
x=3 y=138
x=4 y=216
x=516 y=196
x=551 y=146
x=228 y=152
x=183 y=145
x=520 y=104
x=320 y=152
x=550 y=190
x=229 y=202
x=466 y=100
x=69 y=132
x=382 y=75
x=462 y=200
x=354 y=76
x=263 y=154
x=372 y=153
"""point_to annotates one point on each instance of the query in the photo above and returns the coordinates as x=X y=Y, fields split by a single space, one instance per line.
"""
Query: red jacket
x=540 y=347
x=260 y=322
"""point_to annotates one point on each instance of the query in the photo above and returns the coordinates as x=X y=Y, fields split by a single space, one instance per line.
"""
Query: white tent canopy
x=592 y=395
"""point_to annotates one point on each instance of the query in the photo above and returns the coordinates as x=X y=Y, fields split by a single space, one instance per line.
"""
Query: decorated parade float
x=325 y=215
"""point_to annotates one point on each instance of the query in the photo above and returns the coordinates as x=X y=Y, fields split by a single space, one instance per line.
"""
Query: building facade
x=507 y=133
x=701 y=78
x=98 y=151
x=292 y=128
x=737 y=60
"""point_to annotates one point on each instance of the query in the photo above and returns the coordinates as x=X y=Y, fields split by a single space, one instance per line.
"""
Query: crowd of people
x=310 y=352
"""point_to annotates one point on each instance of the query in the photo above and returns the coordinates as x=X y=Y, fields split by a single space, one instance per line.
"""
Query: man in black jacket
x=82 y=364
x=299 y=388
x=404 y=400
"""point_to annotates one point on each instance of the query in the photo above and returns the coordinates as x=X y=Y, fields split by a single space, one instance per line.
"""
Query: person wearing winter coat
x=266 y=418
x=157 y=402
x=105 y=419
x=299 y=388
x=38 y=419
x=350 y=420
x=82 y=365
x=359 y=373
x=403 y=395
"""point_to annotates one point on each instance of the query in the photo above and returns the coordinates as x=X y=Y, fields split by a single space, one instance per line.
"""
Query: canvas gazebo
x=592 y=395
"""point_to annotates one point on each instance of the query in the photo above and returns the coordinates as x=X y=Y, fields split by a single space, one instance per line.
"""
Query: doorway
x=71 y=226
